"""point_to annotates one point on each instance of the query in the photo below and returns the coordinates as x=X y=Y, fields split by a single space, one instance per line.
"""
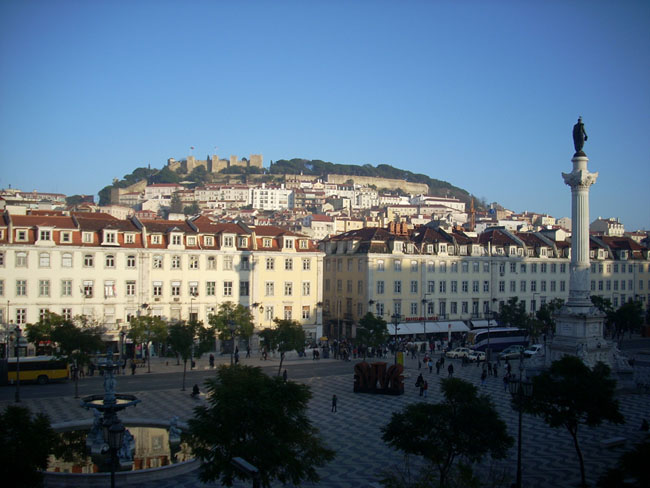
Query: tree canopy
x=372 y=330
x=241 y=319
x=261 y=419
x=187 y=339
x=145 y=329
x=288 y=335
x=570 y=394
x=26 y=441
x=465 y=426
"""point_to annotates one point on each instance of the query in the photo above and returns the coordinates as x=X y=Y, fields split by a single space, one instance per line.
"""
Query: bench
x=613 y=442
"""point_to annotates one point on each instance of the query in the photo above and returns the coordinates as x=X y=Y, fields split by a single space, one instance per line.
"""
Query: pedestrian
x=489 y=369
x=334 y=400
x=506 y=380
x=442 y=360
x=430 y=365
x=494 y=370
x=450 y=370
x=419 y=381
x=284 y=375
x=483 y=376
x=211 y=359
x=419 y=364
x=438 y=365
x=425 y=387
x=248 y=351
x=132 y=367
x=422 y=388
x=236 y=356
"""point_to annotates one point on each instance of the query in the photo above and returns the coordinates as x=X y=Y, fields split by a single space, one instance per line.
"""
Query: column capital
x=580 y=178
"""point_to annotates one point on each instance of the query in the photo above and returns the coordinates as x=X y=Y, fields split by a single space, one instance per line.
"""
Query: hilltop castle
x=213 y=164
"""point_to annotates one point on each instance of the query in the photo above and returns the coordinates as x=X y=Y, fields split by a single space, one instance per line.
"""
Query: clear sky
x=482 y=94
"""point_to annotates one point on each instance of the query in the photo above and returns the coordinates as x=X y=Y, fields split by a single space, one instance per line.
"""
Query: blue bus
x=499 y=338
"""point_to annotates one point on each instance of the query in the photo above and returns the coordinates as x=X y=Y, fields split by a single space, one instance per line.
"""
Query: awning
x=483 y=324
x=429 y=327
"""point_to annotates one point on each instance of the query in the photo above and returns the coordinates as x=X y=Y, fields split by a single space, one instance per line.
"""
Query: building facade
x=427 y=274
x=110 y=270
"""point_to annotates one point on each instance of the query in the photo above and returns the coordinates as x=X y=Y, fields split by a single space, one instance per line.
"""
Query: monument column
x=580 y=179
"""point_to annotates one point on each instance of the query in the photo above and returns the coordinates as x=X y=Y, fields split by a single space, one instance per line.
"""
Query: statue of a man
x=579 y=135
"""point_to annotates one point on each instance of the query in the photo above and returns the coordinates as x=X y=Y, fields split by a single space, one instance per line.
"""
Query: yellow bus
x=39 y=369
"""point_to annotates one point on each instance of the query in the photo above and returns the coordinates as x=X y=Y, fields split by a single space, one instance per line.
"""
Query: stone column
x=580 y=179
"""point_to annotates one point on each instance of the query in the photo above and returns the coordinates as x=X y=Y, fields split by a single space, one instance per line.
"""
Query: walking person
x=438 y=366
x=506 y=380
x=211 y=359
x=132 y=367
x=450 y=370
x=430 y=365
x=494 y=370
x=285 y=375
x=334 y=401
x=425 y=387
x=483 y=377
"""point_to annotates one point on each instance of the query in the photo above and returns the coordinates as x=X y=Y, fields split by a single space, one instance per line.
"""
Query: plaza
x=548 y=455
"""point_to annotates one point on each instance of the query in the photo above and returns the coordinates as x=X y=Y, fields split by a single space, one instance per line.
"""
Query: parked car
x=476 y=356
x=511 y=352
x=534 y=350
x=459 y=352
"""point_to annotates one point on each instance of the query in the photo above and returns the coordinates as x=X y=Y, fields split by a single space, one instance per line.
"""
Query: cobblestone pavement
x=548 y=460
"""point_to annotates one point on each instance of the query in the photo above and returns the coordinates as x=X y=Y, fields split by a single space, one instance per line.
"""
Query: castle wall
x=392 y=184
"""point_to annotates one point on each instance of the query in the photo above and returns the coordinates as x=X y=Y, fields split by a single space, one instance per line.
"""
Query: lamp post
x=113 y=436
x=424 y=317
x=18 y=337
x=122 y=355
x=520 y=389
x=396 y=320
x=232 y=326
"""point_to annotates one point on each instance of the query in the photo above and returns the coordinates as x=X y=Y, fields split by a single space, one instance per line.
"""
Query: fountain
x=109 y=423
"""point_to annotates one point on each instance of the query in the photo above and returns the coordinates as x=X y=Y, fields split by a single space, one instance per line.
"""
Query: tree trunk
x=583 y=481
x=281 y=359
x=76 y=383
x=184 y=369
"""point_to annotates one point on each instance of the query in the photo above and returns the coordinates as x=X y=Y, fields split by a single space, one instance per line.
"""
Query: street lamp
x=122 y=359
x=114 y=436
x=18 y=337
x=396 y=320
x=520 y=389
x=232 y=326
x=424 y=317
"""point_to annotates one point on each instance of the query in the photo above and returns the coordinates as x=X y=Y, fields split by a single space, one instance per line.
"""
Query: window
x=287 y=312
x=176 y=288
x=513 y=286
x=431 y=286
x=454 y=286
x=475 y=286
x=269 y=288
x=349 y=264
x=397 y=306
x=475 y=266
x=267 y=242
x=210 y=288
x=193 y=288
x=380 y=265
x=563 y=268
x=379 y=307
x=21 y=235
x=177 y=240
x=431 y=267
x=304 y=244
x=552 y=285
x=130 y=261
x=348 y=285
x=414 y=286
x=542 y=285
x=442 y=266
x=288 y=288
x=543 y=267
x=553 y=268
x=88 y=289
x=130 y=288
x=533 y=286
x=360 y=287
x=43 y=288
x=533 y=268
x=87 y=237
x=227 y=288
x=66 y=260
x=156 y=239
x=442 y=287
x=191 y=240
x=2 y=289
x=212 y=262
x=176 y=262
x=44 y=259
x=486 y=268
x=21 y=316
x=157 y=261
x=288 y=264
x=464 y=307
x=513 y=267
x=129 y=238
x=67 y=313
x=454 y=267
x=2 y=258
x=242 y=241
x=228 y=263
x=414 y=266
x=306 y=264
x=465 y=267
x=44 y=235
x=270 y=264
x=397 y=286
x=89 y=261
x=244 y=264
x=157 y=288
x=194 y=262
x=110 y=237
x=109 y=289
x=66 y=288
x=502 y=286
x=464 y=286
x=453 y=308
x=397 y=265
x=522 y=285
x=109 y=261
x=21 y=288
x=380 y=287
x=414 y=309
x=305 y=308
x=244 y=288
x=288 y=243
x=486 y=286
x=522 y=268
x=562 y=286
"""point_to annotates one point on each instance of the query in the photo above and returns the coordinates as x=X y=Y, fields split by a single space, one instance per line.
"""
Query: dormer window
x=304 y=244
x=443 y=248
x=156 y=239
x=177 y=239
x=208 y=240
x=266 y=242
x=21 y=235
x=228 y=241
x=87 y=237
x=191 y=241
x=129 y=238
x=409 y=248
x=45 y=235
x=520 y=252
x=110 y=237
x=543 y=251
x=451 y=250
x=66 y=237
x=242 y=242
x=430 y=248
x=288 y=243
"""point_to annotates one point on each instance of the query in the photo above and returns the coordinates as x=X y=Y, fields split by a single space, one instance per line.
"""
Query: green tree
x=546 y=313
x=241 y=319
x=26 y=442
x=188 y=340
x=628 y=317
x=513 y=314
x=464 y=427
x=175 y=204
x=288 y=335
x=146 y=329
x=261 y=419
x=570 y=394
x=372 y=330
x=192 y=209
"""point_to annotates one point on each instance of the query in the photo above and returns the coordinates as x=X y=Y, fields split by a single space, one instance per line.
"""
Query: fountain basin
x=98 y=402
x=153 y=447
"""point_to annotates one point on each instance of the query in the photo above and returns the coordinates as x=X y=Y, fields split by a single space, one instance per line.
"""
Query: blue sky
x=481 y=93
